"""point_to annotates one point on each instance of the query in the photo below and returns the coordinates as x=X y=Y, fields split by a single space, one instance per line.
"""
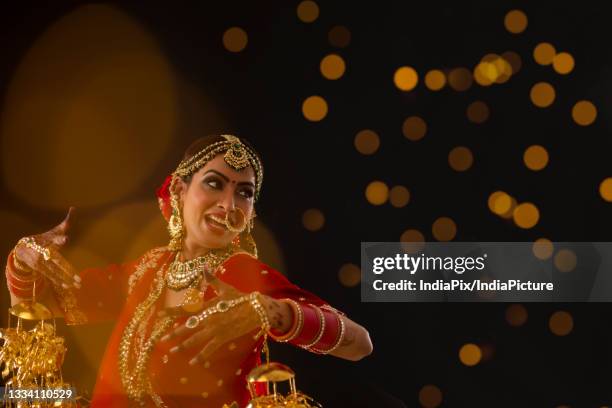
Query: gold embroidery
x=149 y=260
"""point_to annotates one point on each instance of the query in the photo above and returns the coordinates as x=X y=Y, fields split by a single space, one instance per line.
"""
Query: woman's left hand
x=218 y=328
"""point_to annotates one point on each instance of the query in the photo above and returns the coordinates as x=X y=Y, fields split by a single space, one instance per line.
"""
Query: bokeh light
x=563 y=63
x=470 y=354
x=516 y=315
x=435 y=80
x=235 y=39
x=314 y=108
x=412 y=241
x=313 y=219
x=565 y=260
x=542 y=94
x=414 y=128
x=561 y=323
x=515 y=21
x=544 y=53
x=349 y=275
x=526 y=215
x=535 y=157
x=584 y=113
x=367 y=142
x=477 y=112
x=460 y=158
x=308 y=11
x=399 y=196
x=444 y=229
x=377 y=193
x=339 y=36
x=500 y=202
x=543 y=248
x=514 y=60
x=430 y=396
x=406 y=78
x=605 y=189
x=332 y=66
x=75 y=106
x=460 y=79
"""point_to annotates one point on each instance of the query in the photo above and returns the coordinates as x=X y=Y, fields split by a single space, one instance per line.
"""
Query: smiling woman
x=192 y=317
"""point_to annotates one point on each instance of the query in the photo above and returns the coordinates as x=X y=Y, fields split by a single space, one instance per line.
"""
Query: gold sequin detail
x=207 y=364
x=183 y=380
x=165 y=359
x=239 y=371
x=219 y=383
x=232 y=346
x=264 y=272
x=204 y=394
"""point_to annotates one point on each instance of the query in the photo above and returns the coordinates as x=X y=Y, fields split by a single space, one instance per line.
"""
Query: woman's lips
x=216 y=223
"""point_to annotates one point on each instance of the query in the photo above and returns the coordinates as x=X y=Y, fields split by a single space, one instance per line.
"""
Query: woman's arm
x=355 y=344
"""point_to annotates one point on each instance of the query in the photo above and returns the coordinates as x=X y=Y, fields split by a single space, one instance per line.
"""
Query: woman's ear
x=180 y=189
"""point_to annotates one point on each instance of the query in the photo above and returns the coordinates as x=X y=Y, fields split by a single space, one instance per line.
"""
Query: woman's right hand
x=57 y=269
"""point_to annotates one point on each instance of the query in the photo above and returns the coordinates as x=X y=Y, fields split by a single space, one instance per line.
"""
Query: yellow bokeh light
x=235 y=39
x=444 y=229
x=435 y=80
x=500 y=202
x=313 y=219
x=339 y=36
x=460 y=158
x=377 y=193
x=542 y=94
x=308 y=11
x=563 y=63
x=514 y=60
x=515 y=21
x=544 y=53
x=349 y=275
x=367 y=142
x=565 y=260
x=460 y=79
x=543 y=248
x=332 y=66
x=470 y=354
x=516 y=315
x=535 y=157
x=414 y=128
x=412 y=241
x=74 y=110
x=478 y=112
x=430 y=396
x=406 y=78
x=584 y=113
x=314 y=108
x=526 y=215
x=485 y=73
x=561 y=323
x=399 y=196
x=605 y=189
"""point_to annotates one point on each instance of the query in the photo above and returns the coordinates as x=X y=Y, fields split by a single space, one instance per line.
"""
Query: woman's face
x=215 y=190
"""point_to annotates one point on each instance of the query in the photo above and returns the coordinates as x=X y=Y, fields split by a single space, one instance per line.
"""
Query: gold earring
x=175 y=223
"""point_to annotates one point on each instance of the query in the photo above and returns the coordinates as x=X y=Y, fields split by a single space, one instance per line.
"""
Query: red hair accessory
x=163 y=198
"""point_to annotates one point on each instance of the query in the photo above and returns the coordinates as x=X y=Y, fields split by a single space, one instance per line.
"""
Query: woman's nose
x=227 y=201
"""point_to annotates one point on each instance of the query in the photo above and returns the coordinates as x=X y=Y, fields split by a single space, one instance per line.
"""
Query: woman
x=192 y=317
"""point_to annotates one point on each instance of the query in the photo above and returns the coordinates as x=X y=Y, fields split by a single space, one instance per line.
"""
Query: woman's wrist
x=279 y=314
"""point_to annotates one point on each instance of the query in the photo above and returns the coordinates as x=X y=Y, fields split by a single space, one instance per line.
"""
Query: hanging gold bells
x=32 y=361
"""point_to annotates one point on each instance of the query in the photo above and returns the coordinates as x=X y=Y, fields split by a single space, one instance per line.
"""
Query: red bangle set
x=21 y=284
x=316 y=329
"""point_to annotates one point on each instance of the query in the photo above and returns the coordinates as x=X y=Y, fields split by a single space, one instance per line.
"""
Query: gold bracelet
x=222 y=306
x=261 y=311
x=31 y=243
x=321 y=327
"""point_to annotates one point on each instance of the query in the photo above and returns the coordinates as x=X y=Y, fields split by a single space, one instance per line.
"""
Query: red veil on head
x=163 y=198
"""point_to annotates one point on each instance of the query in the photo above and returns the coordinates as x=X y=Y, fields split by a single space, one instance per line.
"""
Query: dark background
x=259 y=92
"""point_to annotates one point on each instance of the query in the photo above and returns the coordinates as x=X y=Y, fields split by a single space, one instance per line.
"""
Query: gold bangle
x=321 y=328
x=19 y=265
x=338 y=341
x=298 y=323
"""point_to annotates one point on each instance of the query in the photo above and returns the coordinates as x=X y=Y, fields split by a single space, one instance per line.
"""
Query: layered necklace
x=188 y=274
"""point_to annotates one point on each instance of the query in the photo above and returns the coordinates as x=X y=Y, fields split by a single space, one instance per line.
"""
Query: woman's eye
x=246 y=193
x=214 y=183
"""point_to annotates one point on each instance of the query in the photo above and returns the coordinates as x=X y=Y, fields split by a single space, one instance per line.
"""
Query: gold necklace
x=189 y=274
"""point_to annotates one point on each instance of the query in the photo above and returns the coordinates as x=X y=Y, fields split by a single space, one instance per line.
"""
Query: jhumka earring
x=175 y=223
